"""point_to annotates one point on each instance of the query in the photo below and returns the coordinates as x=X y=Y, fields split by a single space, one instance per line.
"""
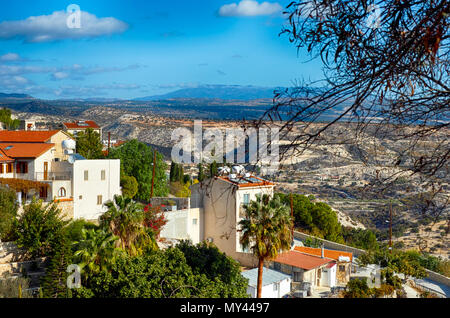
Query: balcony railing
x=53 y=176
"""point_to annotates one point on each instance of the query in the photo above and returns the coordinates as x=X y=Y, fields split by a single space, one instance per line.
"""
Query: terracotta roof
x=301 y=260
x=82 y=125
x=25 y=150
x=243 y=182
x=327 y=253
x=26 y=135
x=4 y=158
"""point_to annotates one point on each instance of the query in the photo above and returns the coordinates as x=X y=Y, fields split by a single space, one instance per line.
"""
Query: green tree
x=213 y=169
x=360 y=238
x=316 y=218
x=206 y=259
x=358 y=288
x=74 y=228
x=95 y=251
x=6 y=119
x=136 y=159
x=266 y=229
x=54 y=283
x=8 y=212
x=201 y=172
x=125 y=219
x=129 y=186
x=38 y=228
x=89 y=144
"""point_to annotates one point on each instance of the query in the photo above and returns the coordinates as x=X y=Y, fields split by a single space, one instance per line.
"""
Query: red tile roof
x=4 y=158
x=300 y=260
x=327 y=253
x=25 y=150
x=26 y=135
x=82 y=125
x=243 y=182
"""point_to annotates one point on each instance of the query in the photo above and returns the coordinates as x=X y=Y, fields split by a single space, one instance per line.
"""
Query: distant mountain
x=3 y=95
x=225 y=92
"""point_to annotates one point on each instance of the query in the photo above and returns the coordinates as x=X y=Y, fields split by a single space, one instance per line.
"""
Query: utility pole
x=154 y=166
x=390 y=227
x=109 y=141
x=292 y=216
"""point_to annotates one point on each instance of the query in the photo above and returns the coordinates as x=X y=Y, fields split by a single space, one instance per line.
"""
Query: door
x=45 y=170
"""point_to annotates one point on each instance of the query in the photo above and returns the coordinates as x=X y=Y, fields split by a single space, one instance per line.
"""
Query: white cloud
x=59 y=75
x=53 y=27
x=248 y=8
x=9 y=57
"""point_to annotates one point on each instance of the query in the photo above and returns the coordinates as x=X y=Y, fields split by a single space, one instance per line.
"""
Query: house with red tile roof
x=306 y=268
x=343 y=261
x=75 y=127
x=47 y=159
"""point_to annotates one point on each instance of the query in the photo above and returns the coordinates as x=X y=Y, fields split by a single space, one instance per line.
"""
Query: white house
x=222 y=201
x=79 y=186
x=275 y=284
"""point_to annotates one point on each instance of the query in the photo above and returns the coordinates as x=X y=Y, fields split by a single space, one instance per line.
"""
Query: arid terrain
x=338 y=173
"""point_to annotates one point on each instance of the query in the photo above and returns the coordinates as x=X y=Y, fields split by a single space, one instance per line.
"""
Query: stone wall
x=330 y=245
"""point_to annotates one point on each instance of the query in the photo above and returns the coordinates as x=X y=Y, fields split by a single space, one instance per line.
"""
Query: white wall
x=180 y=225
x=284 y=288
x=85 y=192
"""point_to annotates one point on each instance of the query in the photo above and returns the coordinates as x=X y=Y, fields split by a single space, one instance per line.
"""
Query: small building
x=81 y=125
x=275 y=284
x=343 y=261
x=222 y=200
x=317 y=271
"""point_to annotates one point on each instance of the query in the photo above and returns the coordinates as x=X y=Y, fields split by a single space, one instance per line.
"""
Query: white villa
x=214 y=211
x=80 y=186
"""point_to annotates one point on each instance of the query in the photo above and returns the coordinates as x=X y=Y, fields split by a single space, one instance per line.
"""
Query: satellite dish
x=69 y=144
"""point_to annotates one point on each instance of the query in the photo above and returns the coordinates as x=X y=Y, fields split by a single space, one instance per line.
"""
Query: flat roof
x=243 y=182
x=270 y=276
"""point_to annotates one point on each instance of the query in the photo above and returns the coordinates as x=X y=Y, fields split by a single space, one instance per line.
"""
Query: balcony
x=53 y=176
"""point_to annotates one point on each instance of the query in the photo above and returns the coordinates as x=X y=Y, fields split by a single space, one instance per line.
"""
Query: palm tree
x=266 y=229
x=95 y=252
x=125 y=219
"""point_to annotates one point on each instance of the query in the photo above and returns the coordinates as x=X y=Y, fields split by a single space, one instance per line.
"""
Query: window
x=9 y=168
x=61 y=192
x=1 y=167
x=22 y=167
x=194 y=221
x=99 y=200
x=103 y=175
x=277 y=266
x=341 y=268
x=86 y=175
x=246 y=198
x=275 y=287
x=298 y=277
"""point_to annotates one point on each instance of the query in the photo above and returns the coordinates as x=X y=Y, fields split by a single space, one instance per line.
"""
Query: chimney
x=323 y=251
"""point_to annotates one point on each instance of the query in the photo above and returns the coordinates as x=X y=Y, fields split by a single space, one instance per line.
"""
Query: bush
x=8 y=212
x=38 y=228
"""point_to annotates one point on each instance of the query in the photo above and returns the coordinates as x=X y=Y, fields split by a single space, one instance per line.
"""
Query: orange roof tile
x=243 y=182
x=25 y=150
x=4 y=158
x=327 y=253
x=301 y=260
x=26 y=135
x=78 y=125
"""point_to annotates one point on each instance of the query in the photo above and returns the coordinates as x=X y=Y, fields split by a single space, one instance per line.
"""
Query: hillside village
x=38 y=163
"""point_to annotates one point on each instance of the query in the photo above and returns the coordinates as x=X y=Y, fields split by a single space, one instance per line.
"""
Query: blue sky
x=128 y=49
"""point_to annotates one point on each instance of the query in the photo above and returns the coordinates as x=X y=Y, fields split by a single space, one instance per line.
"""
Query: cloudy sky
x=128 y=49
